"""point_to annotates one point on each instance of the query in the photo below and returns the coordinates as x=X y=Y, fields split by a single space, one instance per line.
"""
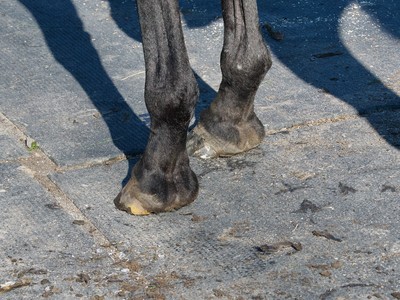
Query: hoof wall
x=134 y=208
x=197 y=146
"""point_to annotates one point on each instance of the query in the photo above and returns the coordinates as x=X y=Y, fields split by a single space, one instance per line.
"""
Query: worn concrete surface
x=313 y=213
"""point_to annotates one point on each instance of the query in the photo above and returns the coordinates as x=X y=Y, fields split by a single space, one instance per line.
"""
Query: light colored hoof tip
x=136 y=209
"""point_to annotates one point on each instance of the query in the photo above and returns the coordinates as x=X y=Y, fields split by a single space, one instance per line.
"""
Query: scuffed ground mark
x=345 y=190
x=141 y=286
x=269 y=249
x=83 y=278
x=236 y=231
x=386 y=188
x=240 y=164
x=154 y=287
x=326 y=235
x=209 y=166
x=325 y=269
x=53 y=206
x=288 y=188
x=11 y=285
x=329 y=293
x=220 y=293
x=196 y=218
x=306 y=206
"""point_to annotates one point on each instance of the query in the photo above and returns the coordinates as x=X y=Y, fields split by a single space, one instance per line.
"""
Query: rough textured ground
x=313 y=213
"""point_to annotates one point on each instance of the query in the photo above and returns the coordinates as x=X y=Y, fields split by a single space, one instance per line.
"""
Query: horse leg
x=230 y=126
x=162 y=180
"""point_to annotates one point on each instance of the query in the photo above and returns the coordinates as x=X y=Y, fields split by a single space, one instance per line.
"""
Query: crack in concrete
x=313 y=123
x=341 y=118
x=39 y=166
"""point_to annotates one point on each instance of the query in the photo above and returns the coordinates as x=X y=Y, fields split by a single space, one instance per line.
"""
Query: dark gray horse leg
x=162 y=180
x=230 y=126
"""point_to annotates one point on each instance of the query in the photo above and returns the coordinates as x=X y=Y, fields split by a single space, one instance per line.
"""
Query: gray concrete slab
x=44 y=252
x=12 y=145
x=336 y=177
x=77 y=68
x=10 y=148
x=67 y=92
x=326 y=176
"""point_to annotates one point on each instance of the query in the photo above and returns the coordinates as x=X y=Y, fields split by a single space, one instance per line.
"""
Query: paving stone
x=310 y=214
x=42 y=252
x=10 y=148
x=68 y=94
x=84 y=89
x=345 y=170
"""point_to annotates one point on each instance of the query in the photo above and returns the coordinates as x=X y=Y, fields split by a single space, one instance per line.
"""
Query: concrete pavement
x=313 y=213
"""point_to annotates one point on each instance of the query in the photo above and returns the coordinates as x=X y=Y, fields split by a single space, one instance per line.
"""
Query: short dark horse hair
x=162 y=180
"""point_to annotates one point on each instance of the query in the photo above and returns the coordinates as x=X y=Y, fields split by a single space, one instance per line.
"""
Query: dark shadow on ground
x=71 y=46
x=340 y=75
x=313 y=51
